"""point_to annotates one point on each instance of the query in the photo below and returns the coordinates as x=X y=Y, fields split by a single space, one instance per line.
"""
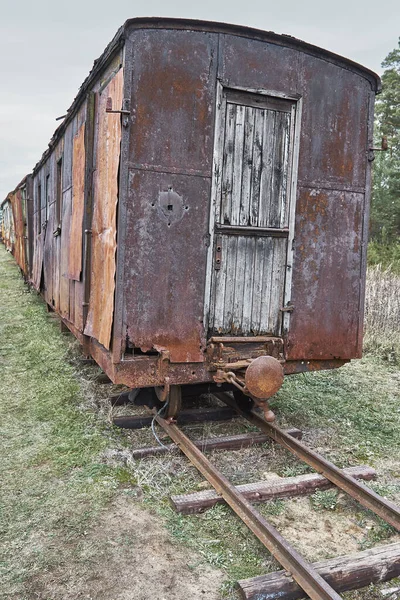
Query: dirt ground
x=137 y=561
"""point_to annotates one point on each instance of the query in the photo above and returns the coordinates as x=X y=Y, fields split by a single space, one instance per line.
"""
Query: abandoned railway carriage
x=204 y=203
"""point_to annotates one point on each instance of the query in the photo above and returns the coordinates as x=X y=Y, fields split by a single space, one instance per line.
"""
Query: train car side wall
x=64 y=198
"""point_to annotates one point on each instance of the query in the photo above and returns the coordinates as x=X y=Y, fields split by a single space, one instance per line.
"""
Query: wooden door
x=250 y=214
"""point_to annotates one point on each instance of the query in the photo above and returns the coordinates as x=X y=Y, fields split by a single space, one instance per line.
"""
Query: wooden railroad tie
x=344 y=573
x=230 y=442
x=261 y=491
x=185 y=416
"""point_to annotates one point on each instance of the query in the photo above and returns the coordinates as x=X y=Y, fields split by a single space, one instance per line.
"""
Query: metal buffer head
x=264 y=377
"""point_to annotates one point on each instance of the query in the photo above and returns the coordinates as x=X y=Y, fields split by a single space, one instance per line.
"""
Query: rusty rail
x=385 y=509
x=303 y=573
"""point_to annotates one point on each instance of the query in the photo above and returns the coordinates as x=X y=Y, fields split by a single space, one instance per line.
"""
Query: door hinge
x=218 y=252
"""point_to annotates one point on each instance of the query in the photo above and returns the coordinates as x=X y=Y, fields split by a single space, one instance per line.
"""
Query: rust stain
x=78 y=190
x=104 y=243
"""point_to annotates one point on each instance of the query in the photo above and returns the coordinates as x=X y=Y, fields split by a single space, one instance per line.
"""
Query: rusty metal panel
x=173 y=94
x=166 y=260
x=326 y=279
x=101 y=302
x=78 y=308
x=334 y=126
x=257 y=65
x=332 y=166
x=171 y=151
x=78 y=189
x=30 y=224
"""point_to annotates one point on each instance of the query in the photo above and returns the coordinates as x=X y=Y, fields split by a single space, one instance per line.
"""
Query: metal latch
x=289 y=308
x=218 y=252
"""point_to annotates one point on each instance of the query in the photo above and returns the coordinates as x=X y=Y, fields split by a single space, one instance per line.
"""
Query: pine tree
x=385 y=209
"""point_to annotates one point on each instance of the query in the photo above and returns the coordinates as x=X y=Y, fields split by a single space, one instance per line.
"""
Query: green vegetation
x=385 y=210
x=53 y=484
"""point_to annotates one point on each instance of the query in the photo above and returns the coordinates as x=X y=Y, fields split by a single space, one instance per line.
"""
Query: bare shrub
x=382 y=313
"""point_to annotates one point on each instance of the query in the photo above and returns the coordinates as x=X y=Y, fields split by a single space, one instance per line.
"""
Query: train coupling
x=258 y=378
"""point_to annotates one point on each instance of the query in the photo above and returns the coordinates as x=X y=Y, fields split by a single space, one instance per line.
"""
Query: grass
x=54 y=483
x=63 y=464
x=382 y=313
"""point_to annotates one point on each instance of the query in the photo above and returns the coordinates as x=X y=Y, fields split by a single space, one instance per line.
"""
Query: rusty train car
x=201 y=214
x=16 y=224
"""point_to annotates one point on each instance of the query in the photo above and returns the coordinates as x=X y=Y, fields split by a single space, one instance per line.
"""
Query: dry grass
x=382 y=313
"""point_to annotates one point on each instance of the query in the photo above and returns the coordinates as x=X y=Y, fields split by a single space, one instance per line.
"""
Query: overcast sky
x=47 y=48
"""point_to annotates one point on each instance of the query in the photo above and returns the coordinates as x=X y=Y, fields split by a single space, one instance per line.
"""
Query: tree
x=385 y=208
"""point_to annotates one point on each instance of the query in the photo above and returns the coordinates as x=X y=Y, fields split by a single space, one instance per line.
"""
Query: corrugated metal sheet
x=78 y=193
x=104 y=243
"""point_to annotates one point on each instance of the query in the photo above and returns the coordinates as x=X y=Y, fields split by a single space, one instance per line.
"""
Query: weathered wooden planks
x=248 y=289
x=262 y=491
x=185 y=416
x=344 y=573
x=255 y=166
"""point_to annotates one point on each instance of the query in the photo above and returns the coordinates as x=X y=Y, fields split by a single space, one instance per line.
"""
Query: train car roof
x=138 y=23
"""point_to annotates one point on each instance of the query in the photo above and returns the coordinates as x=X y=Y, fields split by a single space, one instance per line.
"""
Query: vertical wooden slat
x=247 y=164
x=239 y=284
x=277 y=285
x=266 y=188
x=237 y=165
x=249 y=274
x=257 y=284
x=283 y=200
x=227 y=174
x=257 y=166
x=231 y=253
x=218 y=302
x=267 y=282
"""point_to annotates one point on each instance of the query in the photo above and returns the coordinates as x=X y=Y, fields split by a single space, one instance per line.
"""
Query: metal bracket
x=289 y=308
x=218 y=252
x=109 y=108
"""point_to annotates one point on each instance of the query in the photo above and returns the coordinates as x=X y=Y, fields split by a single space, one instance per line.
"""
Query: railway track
x=304 y=573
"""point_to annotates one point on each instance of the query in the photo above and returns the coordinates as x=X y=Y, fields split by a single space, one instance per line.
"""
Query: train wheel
x=173 y=403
